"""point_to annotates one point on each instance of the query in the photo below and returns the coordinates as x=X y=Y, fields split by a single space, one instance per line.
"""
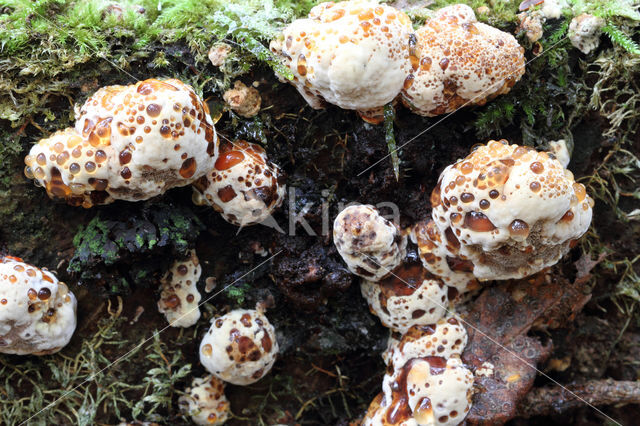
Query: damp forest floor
x=54 y=54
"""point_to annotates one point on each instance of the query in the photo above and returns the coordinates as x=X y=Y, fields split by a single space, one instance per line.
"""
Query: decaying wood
x=551 y=400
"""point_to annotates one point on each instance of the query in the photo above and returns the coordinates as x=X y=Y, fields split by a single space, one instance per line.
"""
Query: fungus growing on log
x=205 y=402
x=243 y=185
x=240 y=347
x=460 y=62
x=129 y=143
x=37 y=312
x=179 y=296
x=370 y=245
x=353 y=54
x=508 y=211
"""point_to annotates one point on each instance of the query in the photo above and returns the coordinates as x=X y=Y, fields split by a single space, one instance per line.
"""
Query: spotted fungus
x=353 y=54
x=130 y=143
x=179 y=296
x=408 y=297
x=429 y=390
x=445 y=338
x=205 y=402
x=37 y=312
x=459 y=62
x=240 y=347
x=243 y=185
x=507 y=211
x=431 y=244
x=370 y=245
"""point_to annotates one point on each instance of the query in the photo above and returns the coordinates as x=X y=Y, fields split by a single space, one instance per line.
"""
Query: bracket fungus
x=353 y=54
x=508 y=211
x=370 y=245
x=459 y=62
x=135 y=142
x=243 y=185
x=240 y=347
x=179 y=296
x=361 y=55
x=37 y=312
x=130 y=143
x=205 y=402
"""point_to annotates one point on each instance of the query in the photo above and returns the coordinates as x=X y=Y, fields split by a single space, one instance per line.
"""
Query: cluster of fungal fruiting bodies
x=240 y=347
x=135 y=142
x=37 y=312
x=425 y=382
x=361 y=55
x=505 y=211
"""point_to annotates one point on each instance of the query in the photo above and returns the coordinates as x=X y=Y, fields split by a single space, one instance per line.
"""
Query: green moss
x=80 y=388
x=237 y=293
x=132 y=247
x=547 y=103
x=94 y=238
x=49 y=49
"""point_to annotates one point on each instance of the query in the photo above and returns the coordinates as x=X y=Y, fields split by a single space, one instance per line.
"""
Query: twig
x=553 y=400
x=389 y=116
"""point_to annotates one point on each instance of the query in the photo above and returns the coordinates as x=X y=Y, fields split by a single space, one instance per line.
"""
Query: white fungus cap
x=509 y=210
x=353 y=54
x=130 y=143
x=179 y=295
x=460 y=61
x=244 y=186
x=400 y=305
x=370 y=245
x=37 y=312
x=446 y=338
x=205 y=402
x=240 y=347
x=585 y=31
x=436 y=391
